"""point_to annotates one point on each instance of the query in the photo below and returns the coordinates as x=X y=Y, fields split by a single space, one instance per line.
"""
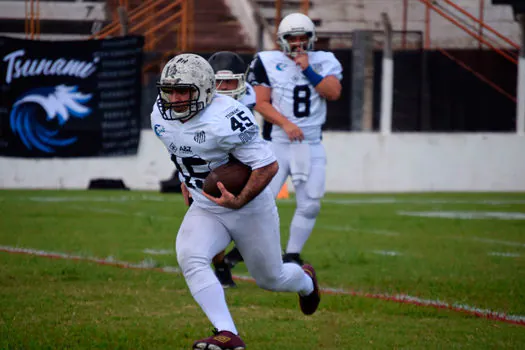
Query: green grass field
x=366 y=249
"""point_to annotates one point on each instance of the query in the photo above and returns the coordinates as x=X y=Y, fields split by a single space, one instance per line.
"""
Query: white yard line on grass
x=160 y=217
x=120 y=212
x=321 y=226
x=398 y=298
x=80 y=199
x=355 y=229
x=505 y=255
x=159 y=251
x=394 y=200
x=497 y=241
x=387 y=252
x=467 y=215
x=341 y=201
x=115 y=199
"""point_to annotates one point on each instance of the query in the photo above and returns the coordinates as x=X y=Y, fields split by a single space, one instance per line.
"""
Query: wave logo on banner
x=59 y=103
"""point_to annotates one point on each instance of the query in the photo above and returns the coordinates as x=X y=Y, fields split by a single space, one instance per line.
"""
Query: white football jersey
x=292 y=94
x=249 y=97
x=223 y=129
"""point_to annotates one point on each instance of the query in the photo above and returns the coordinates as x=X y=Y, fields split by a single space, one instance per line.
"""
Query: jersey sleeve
x=257 y=73
x=241 y=138
x=155 y=116
x=249 y=99
x=334 y=67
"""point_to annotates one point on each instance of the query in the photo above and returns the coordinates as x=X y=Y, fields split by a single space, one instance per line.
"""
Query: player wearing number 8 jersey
x=292 y=86
x=202 y=130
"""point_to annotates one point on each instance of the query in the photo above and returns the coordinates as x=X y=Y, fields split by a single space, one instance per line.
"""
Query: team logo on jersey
x=248 y=135
x=317 y=67
x=185 y=149
x=200 y=136
x=159 y=130
x=251 y=76
x=280 y=66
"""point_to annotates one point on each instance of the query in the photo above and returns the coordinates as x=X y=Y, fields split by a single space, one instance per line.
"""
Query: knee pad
x=309 y=208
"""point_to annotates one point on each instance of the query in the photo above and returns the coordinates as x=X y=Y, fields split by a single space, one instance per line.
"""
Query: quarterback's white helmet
x=296 y=24
x=186 y=71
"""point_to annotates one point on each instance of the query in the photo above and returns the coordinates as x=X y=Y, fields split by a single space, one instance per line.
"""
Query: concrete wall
x=425 y=162
x=357 y=162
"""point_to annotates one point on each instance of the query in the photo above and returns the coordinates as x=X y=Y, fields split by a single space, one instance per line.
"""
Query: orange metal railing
x=133 y=15
x=492 y=43
x=482 y=24
x=305 y=6
x=495 y=37
x=156 y=20
x=32 y=19
x=278 y=17
x=430 y=5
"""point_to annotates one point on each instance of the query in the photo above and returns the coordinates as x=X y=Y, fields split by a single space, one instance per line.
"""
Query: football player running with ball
x=292 y=86
x=200 y=130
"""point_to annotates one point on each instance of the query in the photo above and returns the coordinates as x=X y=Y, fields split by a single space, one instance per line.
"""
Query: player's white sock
x=212 y=301
x=300 y=230
x=308 y=286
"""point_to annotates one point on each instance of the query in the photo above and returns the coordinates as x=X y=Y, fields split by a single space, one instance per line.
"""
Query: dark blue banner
x=70 y=98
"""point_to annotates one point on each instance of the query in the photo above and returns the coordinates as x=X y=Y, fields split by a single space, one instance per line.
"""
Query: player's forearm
x=329 y=88
x=259 y=179
x=270 y=114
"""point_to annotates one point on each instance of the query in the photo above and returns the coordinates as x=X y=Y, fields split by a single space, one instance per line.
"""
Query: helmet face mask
x=229 y=66
x=223 y=79
x=185 y=74
x=294 y=43
x=179 y=109
x=293 y=25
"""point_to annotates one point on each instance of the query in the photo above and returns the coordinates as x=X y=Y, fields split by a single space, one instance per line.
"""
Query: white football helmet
x=228 y=65
x=186 y=71
x=296 y=24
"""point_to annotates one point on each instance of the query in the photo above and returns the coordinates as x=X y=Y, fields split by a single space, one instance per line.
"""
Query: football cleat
x=224 y=275
x=310 y=302
x=233 y=257
x=223 y=340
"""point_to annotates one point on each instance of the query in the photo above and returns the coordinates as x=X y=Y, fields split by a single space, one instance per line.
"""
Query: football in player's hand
x=234 y=175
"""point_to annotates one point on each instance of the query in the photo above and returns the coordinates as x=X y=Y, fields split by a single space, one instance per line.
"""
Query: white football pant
x=308 y=194
x=203 y=235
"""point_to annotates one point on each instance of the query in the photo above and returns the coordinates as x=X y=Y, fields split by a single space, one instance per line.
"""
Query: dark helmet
x=229 y=66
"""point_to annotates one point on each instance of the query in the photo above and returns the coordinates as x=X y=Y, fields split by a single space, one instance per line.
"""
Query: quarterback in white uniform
x=292 y=86
x=202 y=130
